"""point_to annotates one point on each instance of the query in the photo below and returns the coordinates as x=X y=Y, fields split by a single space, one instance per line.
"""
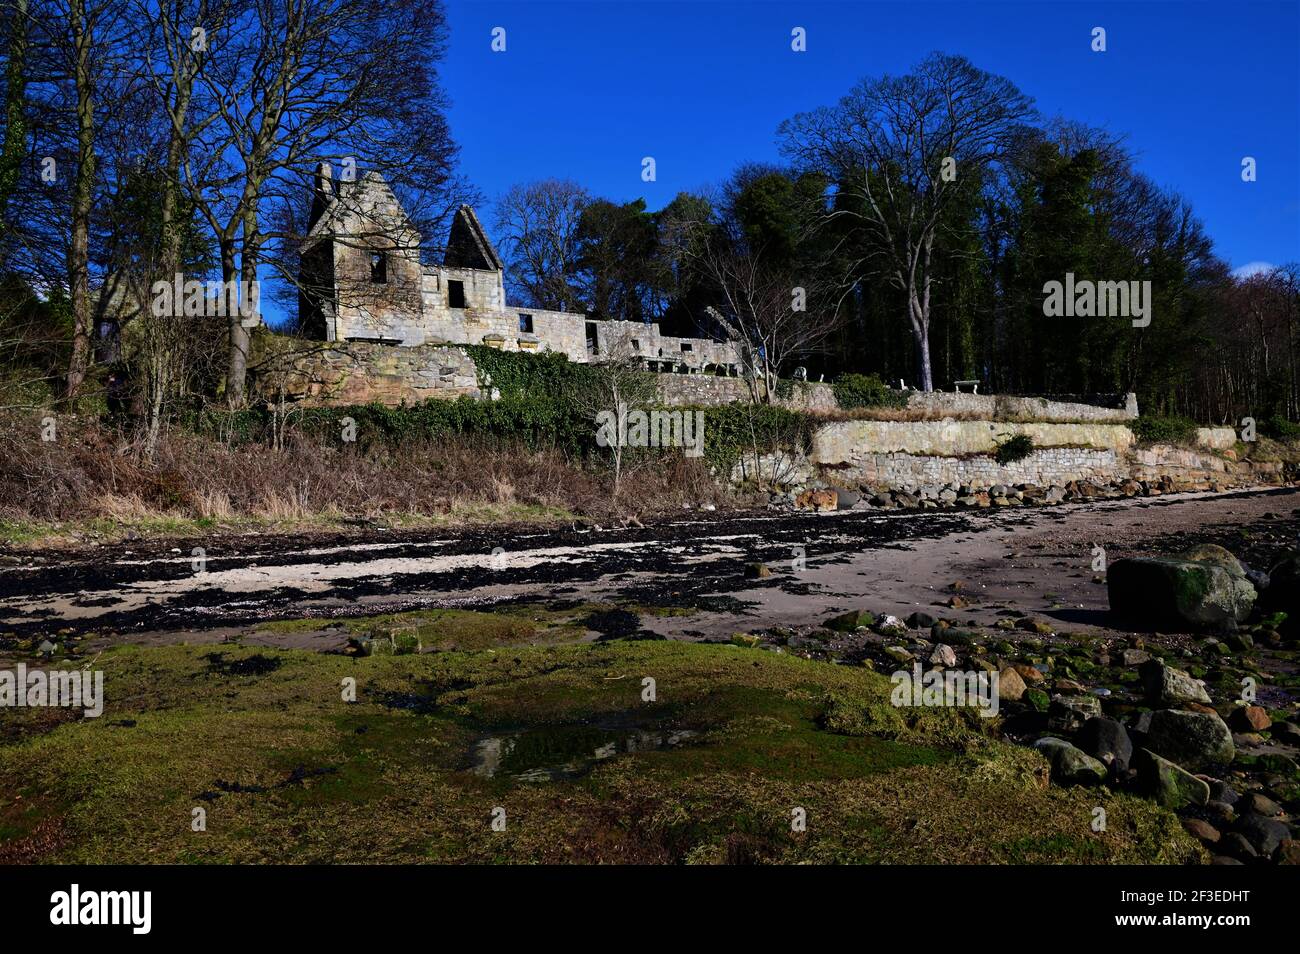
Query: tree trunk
x=14 y=148
x=79 y=248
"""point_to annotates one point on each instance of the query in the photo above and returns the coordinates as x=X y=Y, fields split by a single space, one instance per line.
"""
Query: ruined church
x=362 y=280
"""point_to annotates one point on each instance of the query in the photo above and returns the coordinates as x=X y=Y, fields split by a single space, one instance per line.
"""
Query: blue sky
x=584 y=90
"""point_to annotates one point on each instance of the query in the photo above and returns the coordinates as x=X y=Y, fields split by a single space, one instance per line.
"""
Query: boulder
x=1011 y=687
x=1249 y=719
x=1176 y=594
x=944 y=655
x=1068 y=713
x=1195 y=740
x=846 y=499
x=1170 y=687
x=1264 y=834
x=1069 y=765
x=1283 y=591
x=1166 y=783
x=851 y=621
x=1108 y=741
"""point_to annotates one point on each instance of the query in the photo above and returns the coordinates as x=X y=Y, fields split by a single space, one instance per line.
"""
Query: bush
x=1013 y=449
x=866 y=390
x=1280 y=429
x=1163 y=430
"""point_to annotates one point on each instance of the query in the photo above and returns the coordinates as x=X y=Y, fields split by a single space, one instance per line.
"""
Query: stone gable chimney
x=323 y=193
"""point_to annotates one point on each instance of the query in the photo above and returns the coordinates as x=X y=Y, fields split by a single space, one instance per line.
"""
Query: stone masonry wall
x=360 y=373
x=844 y=443
x=999 y=407
x=707 y=390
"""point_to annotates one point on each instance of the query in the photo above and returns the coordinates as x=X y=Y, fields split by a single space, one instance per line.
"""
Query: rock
x=1135 y=657
x=1250 y=719
x=1168 y=686
x=1220 y=812
x=1214 y=554
x=1223 y=792
x=898 y=654
x=1107 y=740
x=890 y=626
x=1288 y=853
x=1223 y=860
x=944 y=655
x=920 y=621
x=1068 y=713
x=1264 y=834
x=1166 y=783
x=757 y=571
x=1038 y=699
x=1069 y=765
x=1258 y=804
x=821 y=501
x=1172 y=593
x=846 y=499
x=1011 y=686
x=1202 y=830
x=958 y=602
x=1238 y=847
x=1287 y=732
x=1027 y=672
x=851 y=621
x=1283 y=591
x=1068 y=687
x=1195 y=740
x=1029 y=624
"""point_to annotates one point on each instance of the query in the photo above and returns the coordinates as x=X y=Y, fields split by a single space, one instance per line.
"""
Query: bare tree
x=537 y=228
x=617 y=384
x=894 y=147
x=777 y=314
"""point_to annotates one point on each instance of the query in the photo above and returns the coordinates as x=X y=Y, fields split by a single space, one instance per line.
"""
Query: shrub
x=1014 y=448
x=1163 y=430
x=866 y=390
x=1280 y=429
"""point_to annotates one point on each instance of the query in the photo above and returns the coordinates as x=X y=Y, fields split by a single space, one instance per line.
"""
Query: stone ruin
x=363 y=281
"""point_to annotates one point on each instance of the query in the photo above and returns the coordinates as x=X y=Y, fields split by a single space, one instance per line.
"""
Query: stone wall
x=317 y=373
x=1053 y=465
x=1216 y=438
x=997 y=407
x=843 y=443
x=707 y=390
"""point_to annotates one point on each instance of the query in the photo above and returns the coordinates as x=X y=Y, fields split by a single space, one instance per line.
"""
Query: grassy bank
x=557 y=736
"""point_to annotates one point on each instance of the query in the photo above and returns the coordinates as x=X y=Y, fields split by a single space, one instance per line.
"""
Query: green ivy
x=1163 y=430
x=1013 y=449
x=866 y=390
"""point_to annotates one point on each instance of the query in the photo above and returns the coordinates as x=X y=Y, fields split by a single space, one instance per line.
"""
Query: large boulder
x=1167 y=686
x=1283 y=591
x=1195 y=740
x=1173 y=593
x=1166 y=783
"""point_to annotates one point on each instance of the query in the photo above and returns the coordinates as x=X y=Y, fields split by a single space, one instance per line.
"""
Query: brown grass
x=92 y=473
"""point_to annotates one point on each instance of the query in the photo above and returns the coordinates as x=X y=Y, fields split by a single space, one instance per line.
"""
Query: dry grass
x=91 y=473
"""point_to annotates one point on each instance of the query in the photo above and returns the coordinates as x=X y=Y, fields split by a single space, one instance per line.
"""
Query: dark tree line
x=923 y=215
